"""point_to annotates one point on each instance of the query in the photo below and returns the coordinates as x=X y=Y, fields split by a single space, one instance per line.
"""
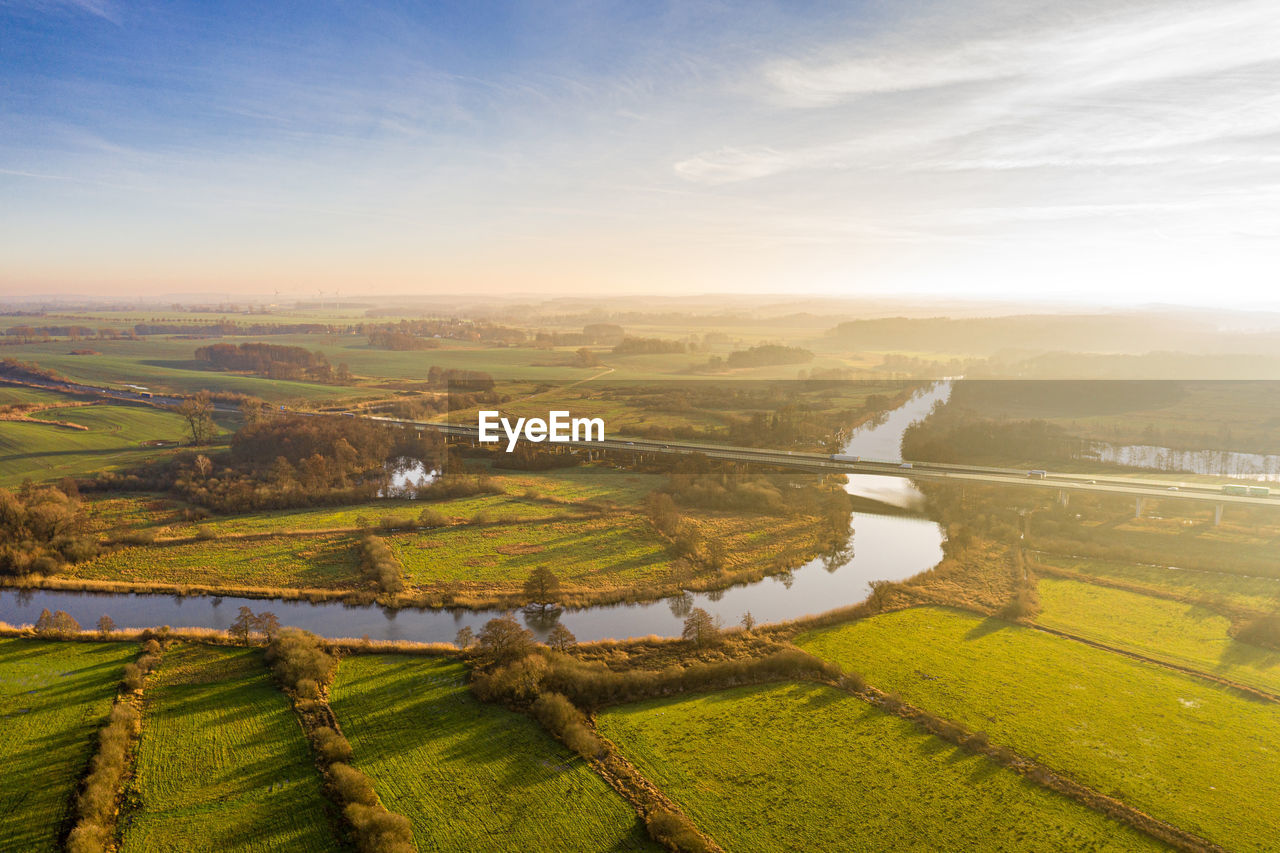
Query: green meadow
x=798 y=767
x=54 y=696
x=1197 y=755
x=222 y=764
x=472 y=776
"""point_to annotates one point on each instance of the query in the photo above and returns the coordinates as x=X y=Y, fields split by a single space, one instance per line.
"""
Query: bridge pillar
x=1137 y=508
x=1217 y=514
x=1064 y=497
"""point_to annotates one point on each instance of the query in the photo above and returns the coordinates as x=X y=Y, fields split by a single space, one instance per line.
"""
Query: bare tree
x=542 y=588
x=465 y=637
x=748 y=622
x=502 y=640
x=198 y=413
x=700 y=628
x=106 y=625
x=561 y=638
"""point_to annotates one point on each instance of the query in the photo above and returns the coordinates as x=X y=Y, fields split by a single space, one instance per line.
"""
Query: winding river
x=880 y=547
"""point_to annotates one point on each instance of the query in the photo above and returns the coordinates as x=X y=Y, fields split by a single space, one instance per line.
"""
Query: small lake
x=1212 y=463
x=880 y=547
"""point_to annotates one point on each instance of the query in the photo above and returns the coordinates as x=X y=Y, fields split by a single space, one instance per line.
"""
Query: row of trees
x=380 y=566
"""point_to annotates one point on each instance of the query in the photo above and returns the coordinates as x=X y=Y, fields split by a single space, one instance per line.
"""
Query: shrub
x=331 y=745
x=675 y=831
x=297 y=656
x=379 y=564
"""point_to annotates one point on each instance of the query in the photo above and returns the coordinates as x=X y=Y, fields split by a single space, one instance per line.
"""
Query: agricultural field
x=166 y=363
x=114 y=437
x=54 y=696
x=222 y=764
x=1184 y=634
x=827 y=771
x=1233 y=590
x=1181 y=749
x=471 y=776
x=312 y=562
x=602 y=552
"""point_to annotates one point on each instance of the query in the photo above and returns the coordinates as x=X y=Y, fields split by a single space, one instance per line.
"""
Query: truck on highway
x=1236 y=490
x=1259 y=492
x=1037 y=474
x=844 y=457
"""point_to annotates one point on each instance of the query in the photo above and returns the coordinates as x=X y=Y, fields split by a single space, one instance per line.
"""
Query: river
x=880 y=547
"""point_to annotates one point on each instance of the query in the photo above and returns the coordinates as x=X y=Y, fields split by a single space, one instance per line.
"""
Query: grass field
x=471 y=776
x=164 y=363
x=54 y=697
x=318 y=562
x=114 y=438
x=223 y=764
x=805 y=767
x=1254 y=593
x=1183 y=750
x=1183 y=634
x=609 y=551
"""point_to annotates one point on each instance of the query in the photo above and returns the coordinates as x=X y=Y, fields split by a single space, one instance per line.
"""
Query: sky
x=1119 y=152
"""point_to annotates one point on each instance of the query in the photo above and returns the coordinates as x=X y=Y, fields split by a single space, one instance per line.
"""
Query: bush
x=379 y=564
x=296 y=657
x=675 y=831
x=559 y=716
x=331 y=745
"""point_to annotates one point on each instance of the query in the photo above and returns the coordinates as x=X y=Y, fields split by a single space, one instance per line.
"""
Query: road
x=1138 y=488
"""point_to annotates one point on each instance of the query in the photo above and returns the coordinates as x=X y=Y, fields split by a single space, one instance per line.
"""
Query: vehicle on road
x=844 y=457
x=1038 y=474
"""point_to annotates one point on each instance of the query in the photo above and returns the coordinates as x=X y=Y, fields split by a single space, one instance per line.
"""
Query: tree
x=748 y=622
x=267 y=623
x=106 y=625
x=465 y=637
x=58 y=624
x=561 y=638
x=542 y=587
x=242 y=626
x=198 y=413
x=502 y=640
x=700 y=628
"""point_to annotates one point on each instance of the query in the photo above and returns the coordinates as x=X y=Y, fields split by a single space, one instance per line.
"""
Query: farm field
x=1184 y=634
x=827 y=771
x=165 y=363
x=54 y=696
x=319 y=562
x=608 y=551
x=1183 y=750
x=222 y=763
x=1253 y=593
x=471 y=776
x=114 y=439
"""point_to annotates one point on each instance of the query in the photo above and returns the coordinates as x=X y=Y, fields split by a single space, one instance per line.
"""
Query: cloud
x=98 y=8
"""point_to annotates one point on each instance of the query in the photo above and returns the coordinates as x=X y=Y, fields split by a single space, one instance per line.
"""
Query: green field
x=1253 y=593
x=805 y=767
x=1196 y=755
x=471 y=776
x=54 y=696
x=222 y=763
x=1183 y=634
x=610 y=551
x=164 y=363
x=114 y=439
x=318 y=562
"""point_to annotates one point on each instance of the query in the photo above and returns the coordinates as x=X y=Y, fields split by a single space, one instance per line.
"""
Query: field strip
x=1251 y=692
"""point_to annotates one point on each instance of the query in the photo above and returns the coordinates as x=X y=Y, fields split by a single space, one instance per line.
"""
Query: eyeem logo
x=557 y=427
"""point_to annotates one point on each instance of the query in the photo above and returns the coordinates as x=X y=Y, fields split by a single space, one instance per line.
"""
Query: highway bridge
x=1141 y=490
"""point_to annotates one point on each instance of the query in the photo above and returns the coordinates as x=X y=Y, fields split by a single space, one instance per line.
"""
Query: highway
x=1138 y=488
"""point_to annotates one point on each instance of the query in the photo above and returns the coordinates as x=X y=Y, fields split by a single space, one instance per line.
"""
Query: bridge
x=1141 y=490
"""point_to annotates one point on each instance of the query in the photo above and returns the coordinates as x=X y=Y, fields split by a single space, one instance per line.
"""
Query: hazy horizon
x=1097 y=153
